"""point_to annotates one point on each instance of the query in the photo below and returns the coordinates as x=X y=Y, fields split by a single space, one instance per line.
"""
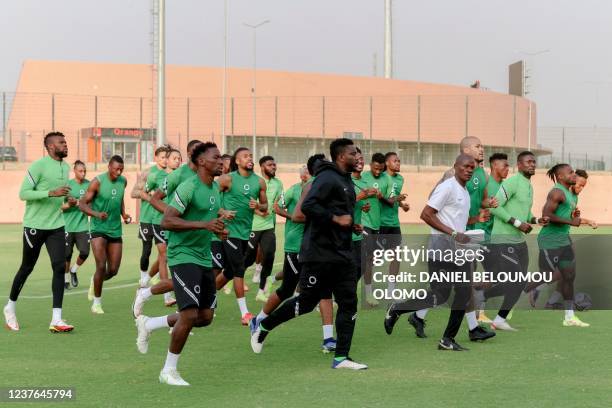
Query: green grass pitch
x=542 y=365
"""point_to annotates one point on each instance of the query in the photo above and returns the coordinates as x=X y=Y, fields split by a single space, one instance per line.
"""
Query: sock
x=421 y=313
x=391 y=286
x=146 y=293
x=261 y=316
x=97 y=300
x=328 y=331
x=10 y=305
x=67 y=277
x=498 y=319
x=258 y=268
x=57 y=315
x=144 y=276
x=74 y=268
x=569 y=309
x=171 y=361
x=167 y=296
x=471 y=319
x=339 y=359
x=243 y=306
x=155 y=323
x=555 y=297
x=272 y=279
x=368 y=289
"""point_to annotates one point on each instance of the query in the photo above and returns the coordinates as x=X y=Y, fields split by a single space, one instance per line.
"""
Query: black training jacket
x=332 y=193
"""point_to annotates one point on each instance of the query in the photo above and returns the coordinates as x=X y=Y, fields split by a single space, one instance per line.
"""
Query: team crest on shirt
x=81 y=192
x=246 y=187
x=476 y=181
x=212 y=200
x=114 y=191
x=375 y=185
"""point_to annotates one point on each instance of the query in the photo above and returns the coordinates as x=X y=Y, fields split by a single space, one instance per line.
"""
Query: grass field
x=542 y=365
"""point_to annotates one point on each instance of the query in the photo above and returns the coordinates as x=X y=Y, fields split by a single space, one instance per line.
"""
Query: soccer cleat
x=348 y=364
x=502 y=326
x=253 y=325
x=446 y=343
x=138 y=304
x=143 y=283
x=60 y=327
x=66 y=285
x=575 y=322
x=371 y=301
x=480 y=334
x=74 y=279
x=390 y=319
x=418 y=324
x=246 y=318
x=90 y=292
x=256 y=342
x=96 y=308
x=533 y=297
x=142 y=339
x=170 y=301
x=261 y=297
x=171 y=377
x=10 y=319
x=329 y=345
x=483 y=318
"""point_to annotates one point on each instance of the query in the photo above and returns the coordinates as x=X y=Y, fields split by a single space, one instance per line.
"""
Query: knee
x=283 y=293
x=112 y=271
x=305 y=305
x=203 y=319
x=83 y=256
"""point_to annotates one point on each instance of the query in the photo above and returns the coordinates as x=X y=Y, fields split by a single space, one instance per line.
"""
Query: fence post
x=418 y=158
x=275 y=125
x=96 y=139
x=514 y=132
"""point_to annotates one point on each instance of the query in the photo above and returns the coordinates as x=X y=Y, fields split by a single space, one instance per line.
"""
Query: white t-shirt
x=453 y=204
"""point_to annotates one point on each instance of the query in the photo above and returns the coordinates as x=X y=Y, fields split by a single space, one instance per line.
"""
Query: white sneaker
x=255 y=344
x=349 y=364
x=142 y=340
x=502 y=326
x=143 y=283
x=10 y=319
x=171 y=377
x=97 y=309
x=138 y=304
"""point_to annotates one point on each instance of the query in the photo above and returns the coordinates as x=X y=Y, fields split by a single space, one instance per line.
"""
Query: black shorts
x=390 y=237
x=81 y=240
x=216 y=252
x=510 y=257
x=234 y=250
x=557 y=258
x=357 y=257
x=152 y=233
x=194 y=286
x=110 y=240
x=291 y=275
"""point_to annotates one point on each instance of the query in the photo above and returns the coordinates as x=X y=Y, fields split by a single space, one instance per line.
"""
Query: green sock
x=340 y=359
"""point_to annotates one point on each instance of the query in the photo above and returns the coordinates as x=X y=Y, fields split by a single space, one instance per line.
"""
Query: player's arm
x=315 y=205
x=556 y=197
x=157 y=202
x=139 y=186
x=298 y=216
x=282 y=210
x=225 y=182
x=263 y=198
x=69 y=203
x=85 y=202
x=28 y=190
x=172 y=220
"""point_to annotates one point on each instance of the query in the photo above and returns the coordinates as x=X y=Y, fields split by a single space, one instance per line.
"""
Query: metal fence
x=425 y=129
x=588 y=148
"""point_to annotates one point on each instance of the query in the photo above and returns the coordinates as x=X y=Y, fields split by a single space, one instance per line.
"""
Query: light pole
x=224 y=86
x=254 y=27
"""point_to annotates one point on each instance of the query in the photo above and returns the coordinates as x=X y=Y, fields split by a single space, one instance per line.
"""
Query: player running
x=192 y=216
x=241 y=189
x=103 y=202
x=362 y=192
x=43 y=189
x=77 y=224
x=262 y=232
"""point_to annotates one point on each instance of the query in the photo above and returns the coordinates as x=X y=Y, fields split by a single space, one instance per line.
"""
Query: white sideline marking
x=80 y=292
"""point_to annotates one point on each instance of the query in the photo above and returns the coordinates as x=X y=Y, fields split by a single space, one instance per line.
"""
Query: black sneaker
x=74 y=280
x=390 y=319
x=418 y=324
x=67 y=285
x=447 y=343
x=479 y=333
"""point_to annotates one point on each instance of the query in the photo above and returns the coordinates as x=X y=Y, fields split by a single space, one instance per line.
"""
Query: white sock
x=145 y=293
x=74 y=268
x=422 y=313
x=391 y=286
x=97 y=300
x=10 y=305
x=368 y=289
x=258 y=268
x=328 y=331
x=499 y=319
x=555 y=297
x=471 y=320
x=171 y=361
x=569 y=309
x=242 y=305
x=57 y=315
x=167 y=296
x=155 y=323
x=67 y=277
x=144 y=275
x=262 y=315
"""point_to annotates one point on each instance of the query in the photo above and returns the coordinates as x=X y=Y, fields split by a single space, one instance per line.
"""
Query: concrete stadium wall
x=595 y=202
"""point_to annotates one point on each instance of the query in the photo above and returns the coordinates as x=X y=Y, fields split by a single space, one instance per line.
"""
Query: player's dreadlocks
x=552 y=173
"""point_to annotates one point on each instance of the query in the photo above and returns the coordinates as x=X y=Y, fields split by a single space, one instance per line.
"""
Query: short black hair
x=358 y=149
x=312 y=160
x=78 y=163
x=173 y=150
x=226 y=156
x=336 y=148
x=233 y=164
x=582 y=173
x=523 y=154
x=116 y=158
x=161 y=149
x=388 y=155
x=497 y=156
x=192 y=143
x=265 y=159
x=201 y=149
x=378 y=158
x=553 y=172
x=50 y=135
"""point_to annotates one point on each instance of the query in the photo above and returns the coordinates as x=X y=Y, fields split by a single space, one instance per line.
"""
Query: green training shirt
x=76 y=220
x=492 y=189
x=146 y=209
x=108 y=200
x=476 y=186
x=389 y=215
x=274 y=189
x=294 y=231
x=371 y=219
x=195 y=201
x=158 y=183
x=515 y=198
x=175 y=178
x=43 y=176
x=553 y=235
x=237 y=199
x=359 y=184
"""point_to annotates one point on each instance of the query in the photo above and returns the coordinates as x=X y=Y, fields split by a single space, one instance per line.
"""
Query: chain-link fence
x=588 y=148
x=424 y=129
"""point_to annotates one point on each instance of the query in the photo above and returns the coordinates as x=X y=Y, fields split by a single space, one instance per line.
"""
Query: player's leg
x=98 y=247
x=234 y=250
x=462 y=296
x=145 y=236
x=326 y=308
x=268 y=248
x=258 y=265
x=164 y=286
x=56 y=242
x=516 y=260
x=68 y=250
x=251 y=251
x=32 y=243
x=82 y=243
x=371 y=243
x=567 y=268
